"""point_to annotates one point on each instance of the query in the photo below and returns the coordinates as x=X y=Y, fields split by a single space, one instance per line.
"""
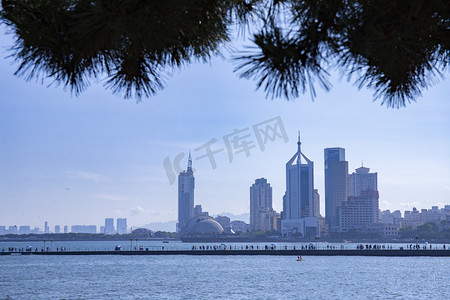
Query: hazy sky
x=77 y=160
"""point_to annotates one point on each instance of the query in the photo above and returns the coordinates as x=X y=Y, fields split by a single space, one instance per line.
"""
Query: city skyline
x=361 y=171
x=76 y=160
x=108 y=228
x=367 y=181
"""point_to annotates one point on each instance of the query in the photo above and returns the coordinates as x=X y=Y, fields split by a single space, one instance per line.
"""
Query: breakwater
x=288 y=252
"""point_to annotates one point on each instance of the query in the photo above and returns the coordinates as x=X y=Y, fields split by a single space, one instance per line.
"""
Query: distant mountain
x=169 y=226
x=242 y=217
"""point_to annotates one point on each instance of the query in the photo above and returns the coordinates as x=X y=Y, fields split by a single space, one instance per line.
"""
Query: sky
x=78 y=160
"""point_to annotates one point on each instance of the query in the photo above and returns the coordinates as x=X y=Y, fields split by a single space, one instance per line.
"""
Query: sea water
x=220 y=277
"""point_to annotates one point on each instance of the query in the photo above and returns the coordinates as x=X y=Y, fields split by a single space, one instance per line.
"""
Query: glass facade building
x=336 y=185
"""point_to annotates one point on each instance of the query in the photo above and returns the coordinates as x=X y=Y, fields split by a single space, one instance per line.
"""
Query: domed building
x=203 y=225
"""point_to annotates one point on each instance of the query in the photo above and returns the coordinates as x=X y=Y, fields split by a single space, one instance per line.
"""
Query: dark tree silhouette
x=134 y=42
x=395 y=47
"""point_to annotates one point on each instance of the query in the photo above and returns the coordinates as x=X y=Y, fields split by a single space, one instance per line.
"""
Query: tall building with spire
x=336 y=185
x=186 y=185
x=298 y=215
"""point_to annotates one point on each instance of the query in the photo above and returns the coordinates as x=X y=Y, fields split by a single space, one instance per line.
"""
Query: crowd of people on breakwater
x=251 y=247
x=310 y=246
x=424 y=246
x=373 y=247
x=30 y=249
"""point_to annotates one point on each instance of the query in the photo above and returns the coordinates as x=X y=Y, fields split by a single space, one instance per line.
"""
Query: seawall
x=320 y=252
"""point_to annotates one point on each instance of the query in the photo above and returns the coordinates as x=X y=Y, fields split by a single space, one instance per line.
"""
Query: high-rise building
x=316 y=203
x=336 y=185
x=298 y=217
x=260 y=205
x=186 y=185
x=283 y=212
x=57 y=229
x=46 y=228
x=109 y=226
x=121 y=225
x=362 y=180
x=66 y=229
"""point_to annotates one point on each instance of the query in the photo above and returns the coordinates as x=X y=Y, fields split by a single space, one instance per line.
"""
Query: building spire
x=190 y=161
x=299 y=153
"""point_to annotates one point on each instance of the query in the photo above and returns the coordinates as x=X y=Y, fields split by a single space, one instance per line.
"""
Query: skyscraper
x=336 y=185
x=261 y=205
x=186 y=185
x=121 y=225
x=316 y=203
x=362 y=180
x=299 y=202
x=109 y=226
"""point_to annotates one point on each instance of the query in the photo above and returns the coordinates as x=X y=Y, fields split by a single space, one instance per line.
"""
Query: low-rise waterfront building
x=359 y=211
x=388 y=217
x=12 y=229
x=24 y=229
x=198 y=211
x=240 y=226
x=388 y=231
x=417 y=218
x=224 y=221
x=84 y=229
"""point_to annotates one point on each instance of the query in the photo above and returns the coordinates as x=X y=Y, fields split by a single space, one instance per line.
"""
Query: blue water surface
x=223 y=277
